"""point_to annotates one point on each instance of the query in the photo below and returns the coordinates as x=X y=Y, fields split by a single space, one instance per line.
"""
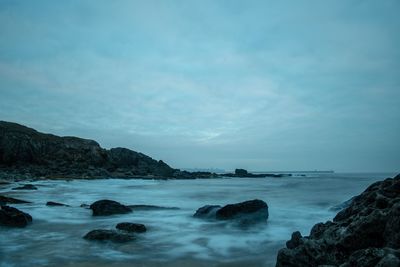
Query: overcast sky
x=262 y=85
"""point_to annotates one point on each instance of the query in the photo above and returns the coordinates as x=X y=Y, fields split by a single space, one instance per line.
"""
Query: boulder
x=131 y=227
x=108 y=207
x=13 y=217
x=252 y=211
x=109 y=235
x=207 y=212
x=26 y=187
x=364 y=234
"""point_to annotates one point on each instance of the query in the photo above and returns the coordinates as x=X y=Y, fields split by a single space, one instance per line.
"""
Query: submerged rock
x=131 y=227
x=245 y=213
x=366 y=233
x=11 y=200
x=51 y=203
x=207 y=212
x=13 y=217
x=26 y=187
x=108 y=207
x=151 y=207
x=109 y=235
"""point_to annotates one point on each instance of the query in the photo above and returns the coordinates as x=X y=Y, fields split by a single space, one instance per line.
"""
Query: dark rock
x=253 y=211
x=51 y=203
x=207 y=212
x=11 y=200
x=13 y=217
x=25 y=152
x=26 y=187
x=342 y=205
x=108 y=235
x=366 y=233
x=108 y=207
x=151 y=207
x=241 y=172
x=85 y=206
x=132 y=227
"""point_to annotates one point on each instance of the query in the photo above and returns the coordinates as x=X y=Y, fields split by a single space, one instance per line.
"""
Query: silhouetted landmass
x=245 y=174
x=28 y=154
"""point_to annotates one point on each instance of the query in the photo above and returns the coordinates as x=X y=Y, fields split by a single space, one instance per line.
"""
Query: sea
x=174 y=237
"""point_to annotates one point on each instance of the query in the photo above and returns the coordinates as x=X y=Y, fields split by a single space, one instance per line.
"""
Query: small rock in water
x=108 y=207
x=51 y=203
x=132 y=227
x=13 y=217
x=108 y=235
x=11 y=200
x=26 y=187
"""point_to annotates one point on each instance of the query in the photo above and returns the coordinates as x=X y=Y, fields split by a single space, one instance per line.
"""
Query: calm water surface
x=174 y=237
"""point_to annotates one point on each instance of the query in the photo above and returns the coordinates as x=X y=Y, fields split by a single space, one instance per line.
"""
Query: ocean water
x=174 y=237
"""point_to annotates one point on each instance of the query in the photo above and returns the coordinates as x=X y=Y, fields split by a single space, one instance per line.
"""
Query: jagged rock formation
x=365 y=234
x=27 y=153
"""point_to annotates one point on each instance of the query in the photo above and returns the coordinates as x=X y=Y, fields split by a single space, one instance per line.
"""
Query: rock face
x=109 y=235
x=366 y=233
x=13 y=217
x=131 y=227
x=245 y=213
x=25 y=152
x=108 y=207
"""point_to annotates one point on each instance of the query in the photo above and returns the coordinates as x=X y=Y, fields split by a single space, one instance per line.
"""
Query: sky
x=261 y=85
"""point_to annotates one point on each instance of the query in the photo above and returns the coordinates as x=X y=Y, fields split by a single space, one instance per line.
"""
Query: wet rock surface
x=245 y=213
x=4 y=200
x=52 y=203
x=109 y=235
x=366 y=233
x=13 y=217
x=107 y=207
x=131 y=227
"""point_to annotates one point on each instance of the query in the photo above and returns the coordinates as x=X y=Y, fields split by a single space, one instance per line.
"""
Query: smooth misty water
x=174 y=237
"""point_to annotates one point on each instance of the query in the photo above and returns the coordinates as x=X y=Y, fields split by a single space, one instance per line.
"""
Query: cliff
x=27 y=153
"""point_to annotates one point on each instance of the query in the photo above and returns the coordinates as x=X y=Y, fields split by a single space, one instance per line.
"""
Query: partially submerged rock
x=151 y=207
x=51 y=203
x=109 y=235
x=108 y=207
x=11 y=200
x=366 y=233
x=13 y=217
x=207 y=212
x=131 y=227
x=26 y=187
x=247 y=212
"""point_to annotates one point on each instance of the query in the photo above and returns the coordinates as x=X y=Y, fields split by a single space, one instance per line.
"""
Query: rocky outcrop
x=4 y=200
x=366 y=233
x=13 y=217
x=27 y=153
x=107 y=207
x=244 y=213
x=109 y=235
x=131 y=227
x=242 y=173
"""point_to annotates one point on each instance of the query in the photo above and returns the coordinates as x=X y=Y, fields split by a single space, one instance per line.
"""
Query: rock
x=86 y=206
x=207 y=212
x=13 y=217
x=11 y=200
x=109 y=235
x=51 y=203
x=241 y=172
x=108 y=207
x=366 y=233
x=342 y=205
x=151 y=207
x=26 y=187
x=25 y=152
x=132 y=227
x=252 y=211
